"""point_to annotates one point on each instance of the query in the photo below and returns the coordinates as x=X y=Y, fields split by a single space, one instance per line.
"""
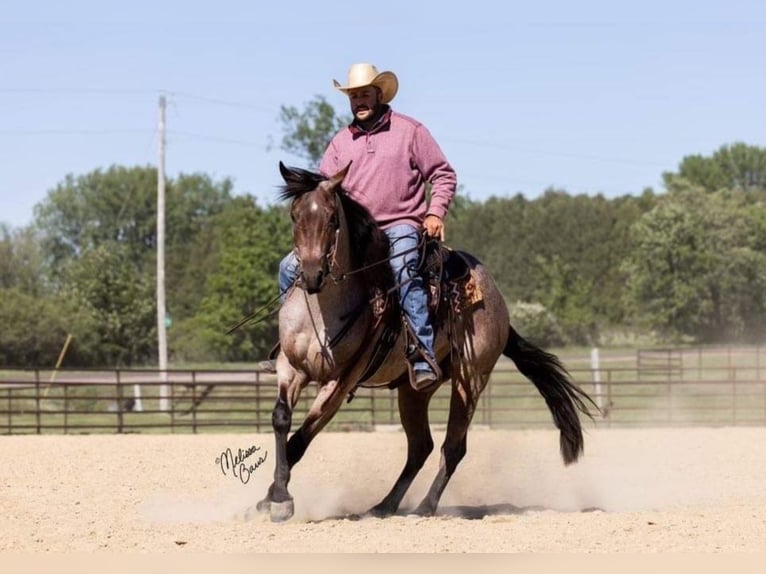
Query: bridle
x=332 y=267
x=329 y=259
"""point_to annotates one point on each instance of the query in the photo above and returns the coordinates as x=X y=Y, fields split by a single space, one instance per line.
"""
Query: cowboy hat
x=361 y=75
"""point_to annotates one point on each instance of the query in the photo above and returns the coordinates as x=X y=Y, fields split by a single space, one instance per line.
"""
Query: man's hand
x=434 y=226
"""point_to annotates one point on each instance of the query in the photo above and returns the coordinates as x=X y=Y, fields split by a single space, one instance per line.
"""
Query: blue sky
x=589 y=96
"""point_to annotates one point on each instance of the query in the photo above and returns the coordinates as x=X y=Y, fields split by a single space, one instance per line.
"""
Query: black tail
x=561 y=395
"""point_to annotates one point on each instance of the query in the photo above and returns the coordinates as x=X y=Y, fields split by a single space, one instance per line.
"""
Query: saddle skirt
x=451 y=289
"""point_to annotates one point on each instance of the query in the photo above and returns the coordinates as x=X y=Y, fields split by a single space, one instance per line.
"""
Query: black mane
x=369 y=244
x=299 y=181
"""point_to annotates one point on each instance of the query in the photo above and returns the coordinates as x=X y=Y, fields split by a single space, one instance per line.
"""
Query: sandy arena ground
x=638 y=491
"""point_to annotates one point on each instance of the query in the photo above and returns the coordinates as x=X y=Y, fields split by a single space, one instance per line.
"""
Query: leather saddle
x=451 y=289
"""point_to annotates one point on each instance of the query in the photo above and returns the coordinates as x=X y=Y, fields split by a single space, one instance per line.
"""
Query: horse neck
x=341 y=291
x=340 y=300
x=347 y=288
x=332 y=323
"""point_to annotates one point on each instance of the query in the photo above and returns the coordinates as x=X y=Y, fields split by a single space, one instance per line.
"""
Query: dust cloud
x=634 y=490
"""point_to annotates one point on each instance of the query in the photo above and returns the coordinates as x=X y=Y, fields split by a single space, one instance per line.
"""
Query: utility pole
x=161 y=312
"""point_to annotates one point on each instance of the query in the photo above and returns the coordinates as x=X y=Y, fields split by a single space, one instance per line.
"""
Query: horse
x=328 y=335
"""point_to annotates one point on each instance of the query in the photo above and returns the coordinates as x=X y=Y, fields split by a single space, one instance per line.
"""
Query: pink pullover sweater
x=390 y=167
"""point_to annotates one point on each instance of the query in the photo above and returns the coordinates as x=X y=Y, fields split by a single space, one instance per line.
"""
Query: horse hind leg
x=413 y=413
x=462 y=407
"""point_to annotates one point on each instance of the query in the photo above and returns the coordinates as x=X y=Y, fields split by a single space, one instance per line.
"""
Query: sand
x=635 y=491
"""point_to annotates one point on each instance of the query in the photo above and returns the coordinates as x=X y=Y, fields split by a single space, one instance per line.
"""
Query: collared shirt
x=390 y=166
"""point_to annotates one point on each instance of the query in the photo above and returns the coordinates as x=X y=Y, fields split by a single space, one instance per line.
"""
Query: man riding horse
x=368 y=206
x=396 y=157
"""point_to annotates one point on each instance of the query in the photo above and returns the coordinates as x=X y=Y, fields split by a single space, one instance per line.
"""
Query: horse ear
x=287 y=174
x=338 y=178
x=284 y=171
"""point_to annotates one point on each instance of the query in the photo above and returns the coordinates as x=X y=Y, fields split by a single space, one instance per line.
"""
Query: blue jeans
x=413 y=298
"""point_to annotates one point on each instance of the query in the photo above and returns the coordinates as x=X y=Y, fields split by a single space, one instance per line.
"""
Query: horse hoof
x=263 y=506
x=282 y=511
x=252 y=512
x=380 y=512
x=423 y=512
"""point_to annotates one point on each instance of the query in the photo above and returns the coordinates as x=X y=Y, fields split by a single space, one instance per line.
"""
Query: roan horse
x=328 y=330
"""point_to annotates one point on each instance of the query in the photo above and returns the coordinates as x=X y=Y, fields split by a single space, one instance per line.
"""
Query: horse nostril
x=313 y=279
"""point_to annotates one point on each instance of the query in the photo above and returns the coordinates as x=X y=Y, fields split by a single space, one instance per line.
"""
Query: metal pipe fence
x=38 y=401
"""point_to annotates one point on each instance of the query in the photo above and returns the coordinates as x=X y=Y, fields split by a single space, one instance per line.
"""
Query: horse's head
x=315 y=211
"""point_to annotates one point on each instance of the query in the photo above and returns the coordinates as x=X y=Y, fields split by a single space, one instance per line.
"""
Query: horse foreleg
x=296 y=447
x=462 y=407
x=327 y=402
x=413 y=413
x=278 y=501
x=281 y=507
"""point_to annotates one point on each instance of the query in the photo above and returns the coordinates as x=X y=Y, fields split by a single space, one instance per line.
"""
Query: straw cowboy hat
x=361 y=75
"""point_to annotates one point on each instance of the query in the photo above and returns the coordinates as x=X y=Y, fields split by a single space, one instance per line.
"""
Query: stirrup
x=423 y=380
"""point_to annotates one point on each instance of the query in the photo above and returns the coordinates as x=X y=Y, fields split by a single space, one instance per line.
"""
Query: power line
x=123 y=91
x=215 y=139
x=225 y=103
x=242 y=105
x=509 y=147
x=102 y=91
x=83 y=132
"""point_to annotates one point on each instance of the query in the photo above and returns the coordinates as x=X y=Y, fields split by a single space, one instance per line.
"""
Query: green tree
x=536 y=323
x=119 y=299
x=695 y=269
x=559 y=250
x=113 y=206
x=252 y=242
x=119 y=205
x=307 y=132
x=736 y=167
x=116 y=210
x=35 y=328
x=194 y=202
x=21 y=260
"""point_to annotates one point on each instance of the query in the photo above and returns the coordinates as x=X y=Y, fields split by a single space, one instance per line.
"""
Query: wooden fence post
x=119 y=403
x=194 y=402
x=595 y=367
x=66 y=408
x=37 y=400
x=10 y=421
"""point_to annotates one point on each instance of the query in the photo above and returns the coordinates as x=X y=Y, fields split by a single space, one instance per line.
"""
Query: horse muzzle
x=313 y=278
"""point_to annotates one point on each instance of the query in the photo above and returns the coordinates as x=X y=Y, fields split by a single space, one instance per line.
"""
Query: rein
x=255 y=318
x=342 y=276
x=268 y=309
x=252 y=316
x=421 y=247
